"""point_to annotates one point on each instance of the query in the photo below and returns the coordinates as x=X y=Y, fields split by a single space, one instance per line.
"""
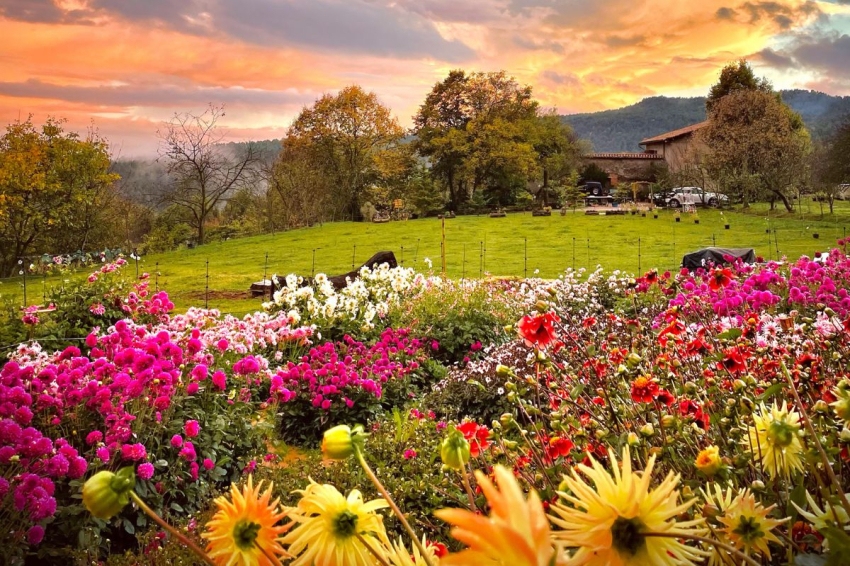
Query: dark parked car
x=660 y=198
x=594 y=188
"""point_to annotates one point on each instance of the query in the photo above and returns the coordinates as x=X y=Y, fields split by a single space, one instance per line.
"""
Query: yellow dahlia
x=716 y=502
x=746 y=523
x=334 y=530
x=829 y=516
x=397 y=554
x=515 y=534
x=708 y=461
x=243 y=531
x=612 y=524
x=775 y=440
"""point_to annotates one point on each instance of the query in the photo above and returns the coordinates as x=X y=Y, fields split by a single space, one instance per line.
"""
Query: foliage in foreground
x=729 y=384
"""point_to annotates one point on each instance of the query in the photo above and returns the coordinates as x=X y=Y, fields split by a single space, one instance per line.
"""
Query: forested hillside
x=623 y=128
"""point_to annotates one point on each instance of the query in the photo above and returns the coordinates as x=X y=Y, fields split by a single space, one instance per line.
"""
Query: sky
x=123 y=67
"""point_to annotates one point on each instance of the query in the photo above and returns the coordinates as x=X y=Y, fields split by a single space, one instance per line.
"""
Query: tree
x=754 y=140
x=55 y=189
x=735 y=77
x=830 y=165
x=299 y=192
x=837 y=155
x=203 y=172
x=343 y=134
x=476 y=132
x=558 y=148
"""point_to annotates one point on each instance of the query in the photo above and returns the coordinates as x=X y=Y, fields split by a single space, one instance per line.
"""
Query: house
x=626 y=167
x=675 y=147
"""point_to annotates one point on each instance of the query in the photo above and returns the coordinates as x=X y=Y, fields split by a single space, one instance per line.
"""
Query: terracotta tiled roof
x=668 y=136
x=623 y=155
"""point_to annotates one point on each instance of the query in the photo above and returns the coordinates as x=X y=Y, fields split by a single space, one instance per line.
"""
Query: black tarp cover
x=717 y=256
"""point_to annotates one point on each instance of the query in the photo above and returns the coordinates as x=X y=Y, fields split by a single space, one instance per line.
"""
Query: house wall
x=627 y=170
x=678 y=154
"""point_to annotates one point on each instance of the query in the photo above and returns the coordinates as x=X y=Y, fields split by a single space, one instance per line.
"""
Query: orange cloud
x=132 y=65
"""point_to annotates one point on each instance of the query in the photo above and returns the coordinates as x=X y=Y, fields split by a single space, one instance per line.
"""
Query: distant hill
x=623 y=128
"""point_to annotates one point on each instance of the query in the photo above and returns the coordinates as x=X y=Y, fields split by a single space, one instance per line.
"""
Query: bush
x=456 y=317
x=345 y=382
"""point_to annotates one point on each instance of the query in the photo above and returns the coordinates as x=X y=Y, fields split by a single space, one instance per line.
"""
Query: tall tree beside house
x=476 y=130
x=837 y=158
x=735 y=77
x=344 y=134
x=754 y=142
x=203 y=172
x=55 y=190
x=830 y=164
x=558 y=150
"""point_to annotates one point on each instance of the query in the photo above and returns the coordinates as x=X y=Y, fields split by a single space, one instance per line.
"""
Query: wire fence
x=222 y=279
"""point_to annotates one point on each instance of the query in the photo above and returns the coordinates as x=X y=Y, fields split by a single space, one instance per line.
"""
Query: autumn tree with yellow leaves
x=55 y=188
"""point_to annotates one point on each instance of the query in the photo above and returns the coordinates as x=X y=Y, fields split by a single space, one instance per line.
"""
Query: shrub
x=345 y=382
x=457 y=316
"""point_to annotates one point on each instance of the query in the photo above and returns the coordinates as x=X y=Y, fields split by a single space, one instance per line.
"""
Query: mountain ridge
x=621 y=129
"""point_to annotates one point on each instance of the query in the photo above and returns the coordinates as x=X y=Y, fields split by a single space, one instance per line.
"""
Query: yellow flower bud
x=647 y=429
x=454 y=451
x=633 y=439
x=339 y=442
x=106 y=493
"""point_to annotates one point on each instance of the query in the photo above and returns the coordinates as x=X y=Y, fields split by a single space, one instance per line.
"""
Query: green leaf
x=176 y=506
x=731 y=334
x=839 y=546
x=576 y=391
x=798 y=496
x=128 y=526
x=771 y=391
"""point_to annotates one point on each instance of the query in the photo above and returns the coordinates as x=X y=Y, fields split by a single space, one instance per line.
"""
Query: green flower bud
x=106 y=493
x=339 y=442
x=503 y=370
x=454 y=451
x=647 y=429
x=633 y=439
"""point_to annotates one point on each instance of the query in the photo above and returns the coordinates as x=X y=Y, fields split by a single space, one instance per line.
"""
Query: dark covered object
x=717 y=256
x=340 y=281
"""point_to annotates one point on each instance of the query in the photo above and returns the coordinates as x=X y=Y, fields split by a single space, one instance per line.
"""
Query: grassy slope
x=553 y=244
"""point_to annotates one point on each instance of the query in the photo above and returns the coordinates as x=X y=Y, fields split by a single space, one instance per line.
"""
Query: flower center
x=627 y=535
x=245 y=533
x=748 y=529
x=781 y=433
x=345 y=524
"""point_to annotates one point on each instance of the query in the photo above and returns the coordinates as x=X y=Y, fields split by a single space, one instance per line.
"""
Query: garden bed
x=725 y=389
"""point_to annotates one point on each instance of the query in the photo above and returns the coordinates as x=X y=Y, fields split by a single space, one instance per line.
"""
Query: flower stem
x=177 y=534
x=468 y=489
x=371 y=550
x=717 y=543
x=811 y=429
x=383 y=491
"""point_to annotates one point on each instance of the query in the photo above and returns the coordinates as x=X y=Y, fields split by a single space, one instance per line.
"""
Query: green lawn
x=516 y=245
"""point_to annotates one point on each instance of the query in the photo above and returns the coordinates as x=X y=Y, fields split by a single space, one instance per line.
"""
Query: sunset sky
x=127 y=65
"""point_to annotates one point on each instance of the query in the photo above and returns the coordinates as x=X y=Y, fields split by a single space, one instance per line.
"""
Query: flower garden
x=667 y=419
